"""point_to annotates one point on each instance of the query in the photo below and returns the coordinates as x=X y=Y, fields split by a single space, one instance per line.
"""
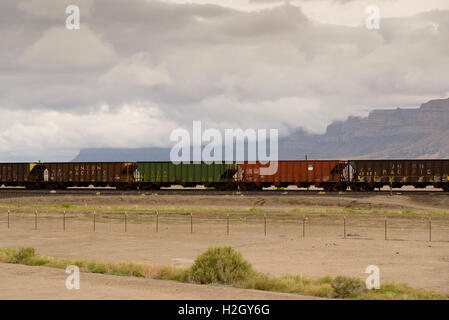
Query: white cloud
x=61 y=48
x=33 y=134
x=137 y=71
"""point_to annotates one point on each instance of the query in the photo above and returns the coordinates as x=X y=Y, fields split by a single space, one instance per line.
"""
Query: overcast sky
x=138 y=69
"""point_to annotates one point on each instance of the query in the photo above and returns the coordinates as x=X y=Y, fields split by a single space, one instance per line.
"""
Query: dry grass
x=230 y=264
x=205 y=211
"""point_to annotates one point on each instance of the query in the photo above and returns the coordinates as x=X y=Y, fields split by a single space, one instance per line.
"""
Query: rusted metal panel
x=90 y=172
x=406 y=172
x=294 y=172
x=14 y=173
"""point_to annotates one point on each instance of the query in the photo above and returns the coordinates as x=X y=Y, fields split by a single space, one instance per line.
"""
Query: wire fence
x=420 y=228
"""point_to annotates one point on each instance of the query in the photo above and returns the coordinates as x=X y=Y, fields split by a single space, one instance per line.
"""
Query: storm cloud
x=138 y=69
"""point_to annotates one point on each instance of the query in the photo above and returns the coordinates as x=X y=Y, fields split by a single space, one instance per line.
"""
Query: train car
x=154 y=175
x=331 y=175
x=328 y=174
x=371 y=174
x=80 y=174
x=16 y=174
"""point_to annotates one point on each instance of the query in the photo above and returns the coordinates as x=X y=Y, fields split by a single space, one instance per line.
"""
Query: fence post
x=265 y=224
x=191 y=222
x=157 y=221
x=344 y=227
x=430 y=229
x=94 y=220
x=304 y=227
x=8 y=217
x=63 y=222
x=35 y=219
x=126 y=221
x=386 y=229
x=227 y=221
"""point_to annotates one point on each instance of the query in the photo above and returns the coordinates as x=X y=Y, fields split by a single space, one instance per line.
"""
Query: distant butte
x=389 y=134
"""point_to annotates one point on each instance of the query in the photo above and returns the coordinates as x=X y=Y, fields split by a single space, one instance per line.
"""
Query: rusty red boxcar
x=328 y=174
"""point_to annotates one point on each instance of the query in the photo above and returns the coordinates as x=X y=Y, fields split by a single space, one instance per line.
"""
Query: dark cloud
x=168 y=64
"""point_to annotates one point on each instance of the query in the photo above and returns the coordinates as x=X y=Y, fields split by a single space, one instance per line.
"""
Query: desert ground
x=279 y=234
x=40 y=283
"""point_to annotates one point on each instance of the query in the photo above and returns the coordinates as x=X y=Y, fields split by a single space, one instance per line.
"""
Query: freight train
x=331 y=175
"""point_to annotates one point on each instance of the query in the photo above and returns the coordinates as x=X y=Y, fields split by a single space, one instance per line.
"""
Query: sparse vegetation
x=223 y=265
x=95 y=267
x=67 y=206
x=208 y=211
x=22 y=255
x=125 y=272
x=28 y=256
x=292 y=284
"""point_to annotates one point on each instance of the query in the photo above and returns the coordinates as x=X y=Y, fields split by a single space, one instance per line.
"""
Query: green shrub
x=326 y=280
x=97 y=267
x=345 y=287
x=120 y=272
x=182 y=276
x=79 y=263
x=261 y=281
x=37 y=261
x=22 y=254
x=6 y=255
x=323 y=290
x=174 y=274
x=220 y=265
x=59 y=263
x=125 y=272
x=136 y=273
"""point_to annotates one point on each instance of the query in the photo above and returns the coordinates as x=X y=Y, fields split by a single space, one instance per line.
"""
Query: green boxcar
x=164 y=174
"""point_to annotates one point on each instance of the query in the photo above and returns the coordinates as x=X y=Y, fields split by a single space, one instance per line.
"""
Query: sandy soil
x=407 y=256
x=24 y=282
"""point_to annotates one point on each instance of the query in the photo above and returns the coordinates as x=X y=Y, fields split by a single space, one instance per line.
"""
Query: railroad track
x=12 y=193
